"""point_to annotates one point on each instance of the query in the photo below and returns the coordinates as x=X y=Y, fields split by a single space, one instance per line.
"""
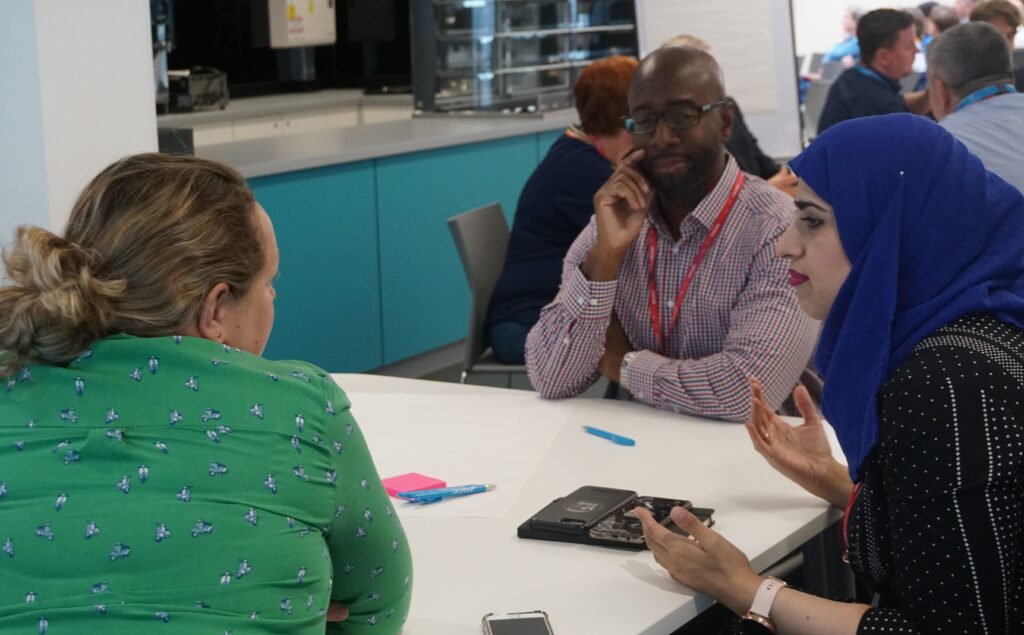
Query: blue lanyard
x=869 y=72
x=985 y=93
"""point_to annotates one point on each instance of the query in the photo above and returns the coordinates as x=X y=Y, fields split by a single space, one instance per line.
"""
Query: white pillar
x=76 y=92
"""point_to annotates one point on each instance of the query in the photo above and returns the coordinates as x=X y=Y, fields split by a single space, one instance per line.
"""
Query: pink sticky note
x=411 y=482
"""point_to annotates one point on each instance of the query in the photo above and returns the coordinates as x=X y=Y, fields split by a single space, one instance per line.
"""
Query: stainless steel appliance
x=161 y=27
x=511 y=56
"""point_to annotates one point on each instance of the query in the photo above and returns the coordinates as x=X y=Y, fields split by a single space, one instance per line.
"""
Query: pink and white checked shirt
x=740 y=316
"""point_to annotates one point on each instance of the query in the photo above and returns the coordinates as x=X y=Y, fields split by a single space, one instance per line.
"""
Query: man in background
x=1001 y=14
x=963 y=9
x=941 y=18
x=1005 y=17
x=972 y=95
x=887 y=47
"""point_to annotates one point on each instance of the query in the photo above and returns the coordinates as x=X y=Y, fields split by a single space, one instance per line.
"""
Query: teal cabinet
x=544 y=141
x=425 y=298
x=328 y=308
x=369 y=271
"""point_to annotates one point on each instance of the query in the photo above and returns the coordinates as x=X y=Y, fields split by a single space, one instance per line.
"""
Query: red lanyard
x=845 y=527
x=684 y=286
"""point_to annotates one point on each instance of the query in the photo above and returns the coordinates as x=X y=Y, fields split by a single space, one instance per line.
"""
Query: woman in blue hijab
x=913 y=255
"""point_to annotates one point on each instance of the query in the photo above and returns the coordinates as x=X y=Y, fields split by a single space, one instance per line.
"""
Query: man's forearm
x=602 y=265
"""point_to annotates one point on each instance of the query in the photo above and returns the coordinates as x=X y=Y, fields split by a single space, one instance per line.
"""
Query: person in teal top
x=156 y=474
x=847 y=50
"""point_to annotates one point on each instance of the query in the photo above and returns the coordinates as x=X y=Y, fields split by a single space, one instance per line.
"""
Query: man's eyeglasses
x=681 y=118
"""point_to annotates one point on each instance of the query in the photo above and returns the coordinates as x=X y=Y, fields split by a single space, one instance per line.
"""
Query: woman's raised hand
x=800 y=452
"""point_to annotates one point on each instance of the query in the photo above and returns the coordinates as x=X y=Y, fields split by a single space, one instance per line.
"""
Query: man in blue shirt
x=887 y=47
x=972 y=95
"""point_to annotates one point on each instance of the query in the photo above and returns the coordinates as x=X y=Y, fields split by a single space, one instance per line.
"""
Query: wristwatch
x=757 y=620
x=626 y=360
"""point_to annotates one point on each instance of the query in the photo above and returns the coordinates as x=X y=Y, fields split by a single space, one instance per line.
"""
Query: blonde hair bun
x=55 y=304
x=147 y=239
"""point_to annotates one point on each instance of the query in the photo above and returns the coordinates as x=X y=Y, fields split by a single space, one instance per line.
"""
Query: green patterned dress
x=174 y=485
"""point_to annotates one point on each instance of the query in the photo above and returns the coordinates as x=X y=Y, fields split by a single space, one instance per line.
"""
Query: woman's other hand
x=707 y=562
x=801 y=452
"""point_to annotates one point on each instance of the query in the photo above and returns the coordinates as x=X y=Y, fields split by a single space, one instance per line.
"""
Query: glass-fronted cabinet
x=511 y=56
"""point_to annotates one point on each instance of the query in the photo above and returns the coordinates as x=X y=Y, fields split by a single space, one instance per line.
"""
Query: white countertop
x=289 y=153
x=248 y=107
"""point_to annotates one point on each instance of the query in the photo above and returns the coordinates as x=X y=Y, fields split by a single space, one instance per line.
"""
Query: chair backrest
x=814 y=385
x=909 y=83
x=831 y=70
x=1018 y=58
x=815 y=64
x=817 y=93
x=481 y=237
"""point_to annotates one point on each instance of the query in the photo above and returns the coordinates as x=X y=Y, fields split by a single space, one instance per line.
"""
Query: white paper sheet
x=463 y=440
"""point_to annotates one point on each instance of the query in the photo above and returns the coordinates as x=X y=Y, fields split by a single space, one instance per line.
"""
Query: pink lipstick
x=796 y=278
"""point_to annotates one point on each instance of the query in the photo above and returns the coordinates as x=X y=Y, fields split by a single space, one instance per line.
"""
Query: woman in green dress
x=156 y=474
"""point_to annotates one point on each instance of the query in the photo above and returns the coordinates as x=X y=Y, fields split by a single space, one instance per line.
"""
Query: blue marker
x=611 y=436
x=434 y=495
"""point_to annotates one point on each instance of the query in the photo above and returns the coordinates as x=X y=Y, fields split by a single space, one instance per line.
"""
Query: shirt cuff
x=587 y=300
x=640 y=375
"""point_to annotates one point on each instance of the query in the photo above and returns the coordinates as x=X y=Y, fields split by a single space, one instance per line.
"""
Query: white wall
x=22 y=160
x=818 y=24
x=79 y=96
x=752 y=41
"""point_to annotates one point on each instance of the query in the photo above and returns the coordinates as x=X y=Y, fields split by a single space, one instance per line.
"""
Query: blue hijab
x=931 y=236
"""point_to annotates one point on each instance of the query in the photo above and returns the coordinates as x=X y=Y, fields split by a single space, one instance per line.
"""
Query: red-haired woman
x=557 y=202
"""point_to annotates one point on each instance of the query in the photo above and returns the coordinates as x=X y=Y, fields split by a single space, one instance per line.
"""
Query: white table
x=466 y=567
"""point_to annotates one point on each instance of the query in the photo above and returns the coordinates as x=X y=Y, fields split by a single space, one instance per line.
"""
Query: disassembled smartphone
x=525 y=623
x=624 y=526
x=581 y=510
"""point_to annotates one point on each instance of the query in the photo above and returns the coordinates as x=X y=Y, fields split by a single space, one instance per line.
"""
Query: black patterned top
x=938 y=526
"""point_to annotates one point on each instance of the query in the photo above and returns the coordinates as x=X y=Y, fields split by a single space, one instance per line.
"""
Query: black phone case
x=576 y=513
x=532 y=530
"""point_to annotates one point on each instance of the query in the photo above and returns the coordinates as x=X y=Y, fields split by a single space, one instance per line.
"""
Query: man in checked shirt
x=672 y=291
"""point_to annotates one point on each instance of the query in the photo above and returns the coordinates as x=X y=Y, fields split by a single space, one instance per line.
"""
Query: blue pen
x=434 y=495
x=611 y=436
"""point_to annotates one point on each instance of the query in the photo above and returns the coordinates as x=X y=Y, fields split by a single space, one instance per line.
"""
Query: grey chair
x=909 y=83
x=815 y=64
x=817 y=93
x=1018 y=58
x=814 y=385
x=831 y=70
x=481 y=237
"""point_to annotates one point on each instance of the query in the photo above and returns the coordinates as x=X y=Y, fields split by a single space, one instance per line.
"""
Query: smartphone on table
x=525 y=623
x=581 y=510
